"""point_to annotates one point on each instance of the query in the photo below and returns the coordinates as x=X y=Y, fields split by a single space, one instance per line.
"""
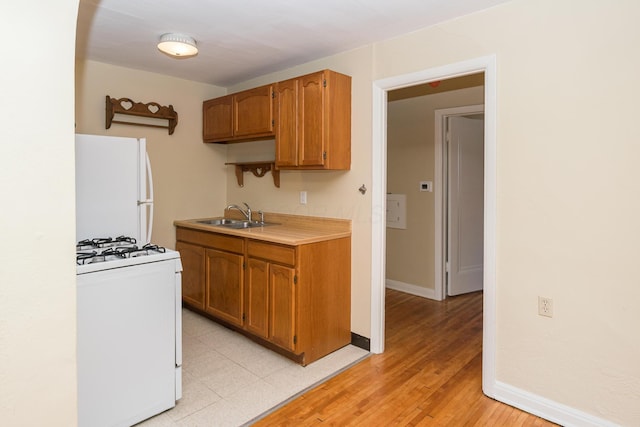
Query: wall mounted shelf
x=259 y=169
x=150 y=110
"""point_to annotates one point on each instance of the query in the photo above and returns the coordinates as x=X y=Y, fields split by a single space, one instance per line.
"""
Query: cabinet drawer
x=272 y=252
x=211 y=240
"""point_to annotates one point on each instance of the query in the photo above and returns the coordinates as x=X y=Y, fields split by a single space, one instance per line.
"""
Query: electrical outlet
x=545 y=306
x=303 y=197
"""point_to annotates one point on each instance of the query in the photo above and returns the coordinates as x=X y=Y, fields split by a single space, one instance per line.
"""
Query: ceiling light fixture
x=178 y=45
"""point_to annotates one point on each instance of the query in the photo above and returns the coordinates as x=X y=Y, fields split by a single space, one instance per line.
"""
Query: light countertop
x=284 y=229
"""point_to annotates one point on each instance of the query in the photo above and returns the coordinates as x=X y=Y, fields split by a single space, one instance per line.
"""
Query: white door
x=465 y=204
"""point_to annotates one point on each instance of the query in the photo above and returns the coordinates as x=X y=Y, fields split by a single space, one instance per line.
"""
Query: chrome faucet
x=246 y=213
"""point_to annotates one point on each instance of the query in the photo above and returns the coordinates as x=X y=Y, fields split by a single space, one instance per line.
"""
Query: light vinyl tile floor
x=228 y=380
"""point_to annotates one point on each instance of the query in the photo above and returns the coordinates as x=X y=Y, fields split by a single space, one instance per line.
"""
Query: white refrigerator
x=114 y=188
x=129 y=329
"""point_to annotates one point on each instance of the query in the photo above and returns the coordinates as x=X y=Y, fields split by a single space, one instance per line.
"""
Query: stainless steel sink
x=234 y=223
x=244 y=224
x=220 y=221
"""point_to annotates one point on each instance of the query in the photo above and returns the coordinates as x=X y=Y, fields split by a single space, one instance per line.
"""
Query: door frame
x=487 y=65
x=439 y=188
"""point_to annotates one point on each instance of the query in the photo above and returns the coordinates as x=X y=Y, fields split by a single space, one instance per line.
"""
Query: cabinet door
x=287 y=123
x=257 y=297
x=311 y=120
x=282 y=306
x=217 y=119
x=253 y=112
x=224 y=285
x=192 y=257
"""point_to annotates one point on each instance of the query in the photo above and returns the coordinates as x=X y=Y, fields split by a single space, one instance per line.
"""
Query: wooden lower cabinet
x=293 y=299
x=271 y=304
x=193 y=288
x=257 y=300
x=282 y=306
x=225 y=276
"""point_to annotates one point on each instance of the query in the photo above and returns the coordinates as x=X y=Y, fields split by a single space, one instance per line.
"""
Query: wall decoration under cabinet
x=150 y=110
x=259 y=169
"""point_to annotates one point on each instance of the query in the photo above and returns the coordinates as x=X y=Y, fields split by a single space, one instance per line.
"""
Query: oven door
x=126 y=321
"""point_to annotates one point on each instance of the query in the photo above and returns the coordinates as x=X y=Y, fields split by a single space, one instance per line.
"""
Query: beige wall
x=37 y=214
x=567 y=185
x=189 y=177
x=411 y=159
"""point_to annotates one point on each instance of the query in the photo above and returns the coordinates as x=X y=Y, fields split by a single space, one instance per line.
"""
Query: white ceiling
x=242 y=39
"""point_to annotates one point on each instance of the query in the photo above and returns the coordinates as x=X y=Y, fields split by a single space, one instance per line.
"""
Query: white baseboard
x=546 y=408
x=411 y=289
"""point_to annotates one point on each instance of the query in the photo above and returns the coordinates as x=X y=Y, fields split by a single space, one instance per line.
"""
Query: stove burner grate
x=82 y=257
x=90 y=251
x=151 y=247
x=103 y=242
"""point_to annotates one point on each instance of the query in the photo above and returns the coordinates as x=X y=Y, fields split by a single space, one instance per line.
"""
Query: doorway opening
x=486 y=65
x=418 y=118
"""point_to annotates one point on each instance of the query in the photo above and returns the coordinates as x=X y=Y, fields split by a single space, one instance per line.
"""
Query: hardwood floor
x=429 y=375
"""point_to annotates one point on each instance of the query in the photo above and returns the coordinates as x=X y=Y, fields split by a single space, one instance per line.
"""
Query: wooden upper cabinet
x=286 y=104
x=311 y=111
x=253 y=112
x=217 y=119
x=239 y=117
x=309 y=117
x=314 y=122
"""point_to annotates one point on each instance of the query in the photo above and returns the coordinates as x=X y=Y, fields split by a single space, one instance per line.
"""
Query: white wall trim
x=411 y=289
x=378 y=216
x=487 y=65
x=546 y=408
x=439 y=192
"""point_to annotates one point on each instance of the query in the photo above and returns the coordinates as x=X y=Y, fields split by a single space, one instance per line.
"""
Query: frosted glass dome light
x=178 y=45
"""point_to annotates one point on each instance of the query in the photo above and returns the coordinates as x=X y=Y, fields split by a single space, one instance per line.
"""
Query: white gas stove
x=129 y=331
x=108 y=253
